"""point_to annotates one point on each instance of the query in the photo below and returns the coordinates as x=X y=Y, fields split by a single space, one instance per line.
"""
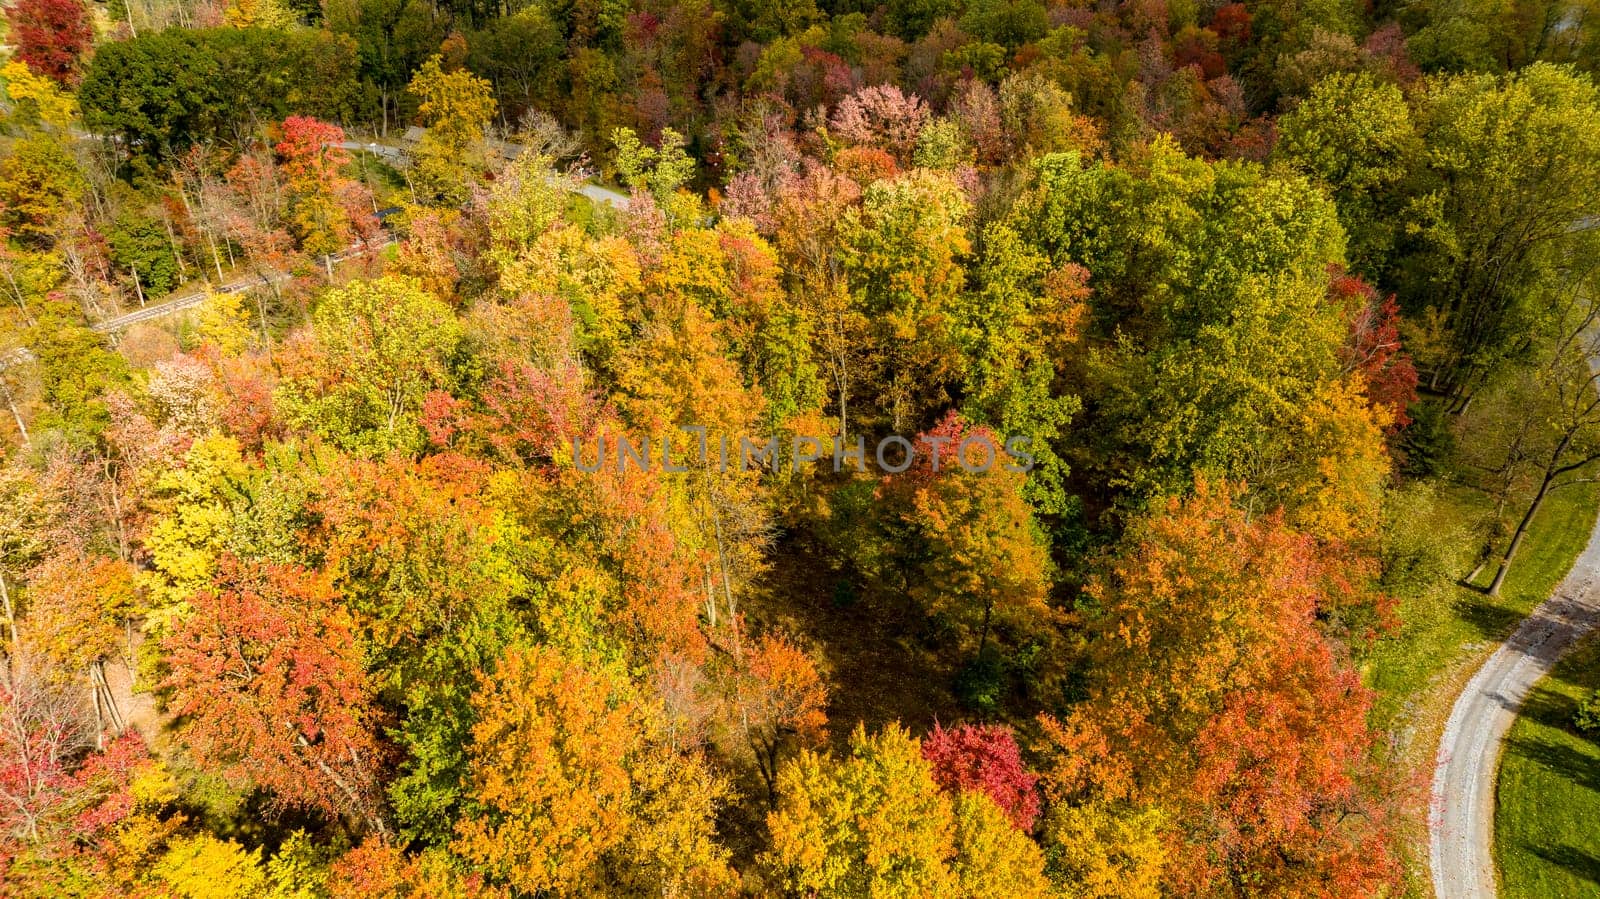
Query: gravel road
x=1461 y=814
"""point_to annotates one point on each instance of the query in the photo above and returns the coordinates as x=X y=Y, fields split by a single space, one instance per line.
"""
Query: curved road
x=1461 y=814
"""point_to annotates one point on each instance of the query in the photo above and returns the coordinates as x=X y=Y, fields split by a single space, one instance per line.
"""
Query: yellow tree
x=876 y=824
x=983 y=562
x=456 y=107
x=576 y=790
x=36 y=97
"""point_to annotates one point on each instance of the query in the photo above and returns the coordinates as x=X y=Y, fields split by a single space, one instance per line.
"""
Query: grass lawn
x=1418 y=671
x=1547 y=817
x=1456 y=626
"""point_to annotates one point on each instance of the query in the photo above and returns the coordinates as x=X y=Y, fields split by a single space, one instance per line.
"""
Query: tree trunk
x=1516 y=537
x=16 y=414
x=11 y=618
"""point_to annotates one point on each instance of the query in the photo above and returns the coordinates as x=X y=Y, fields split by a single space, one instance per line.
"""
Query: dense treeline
x=313 y=590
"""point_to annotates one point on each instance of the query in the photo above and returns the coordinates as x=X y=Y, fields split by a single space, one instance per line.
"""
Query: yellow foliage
x=873 y=824
x=1103 y=851
x=204 y=867
x=38 y=95
x=993 y=857
x=258 y=14
x=76 y=607
x=1338 y=497
x=224 y=322
x=582 y=795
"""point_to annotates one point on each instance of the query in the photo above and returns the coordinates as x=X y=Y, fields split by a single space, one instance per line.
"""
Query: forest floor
x=1548 y=802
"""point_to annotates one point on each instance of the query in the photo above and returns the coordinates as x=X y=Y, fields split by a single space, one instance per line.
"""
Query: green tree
x=658 y=171
x=1354 y=135
x=163 y=91
x=141 y=251
x=391 y=40
x=1209 y=307
x=374 y=351
x=1510 y=167
x=76 y=371
x=902 y=255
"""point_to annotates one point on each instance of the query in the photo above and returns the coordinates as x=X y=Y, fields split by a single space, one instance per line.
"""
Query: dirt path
x=1461 y=814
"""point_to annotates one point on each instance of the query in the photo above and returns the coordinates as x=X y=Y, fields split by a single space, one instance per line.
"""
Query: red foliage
x=309 y=148
x=1232 y=25
x=984 y=759
x=1386 y=47
x=1195 y=50
x=533 y=413
x=1215 y=694
x=51 y=36
x=247 y=412
x=41 y=731
x=108 y=775
x=442 y=417
x=267 y=676
x=1373 y=348
x=938 y=449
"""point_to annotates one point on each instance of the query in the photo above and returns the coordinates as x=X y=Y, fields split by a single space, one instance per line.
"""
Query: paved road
x=168 y=307
x=595 y=192
x=1461 y=814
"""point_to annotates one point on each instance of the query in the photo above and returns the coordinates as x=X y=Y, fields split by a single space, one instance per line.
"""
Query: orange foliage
x=1214 y=694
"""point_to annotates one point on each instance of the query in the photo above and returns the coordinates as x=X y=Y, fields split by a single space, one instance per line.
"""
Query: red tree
x=1232 y=25
x=1373 y=348
x=51 y=36
x=1215 y=695
x=984 y=759
x=41 y=731
x=267 y=676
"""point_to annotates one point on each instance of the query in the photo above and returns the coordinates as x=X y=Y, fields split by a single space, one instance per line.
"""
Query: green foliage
x=1587 y=717
x=1015 y=332
x=163 y=91
x=1354 y=135
x=660 y=171
x=902 y=258
x=376 y=349
x=1509 y=166
x=1215 y=277
x=139 y=244
x=1428 y=445
x=76 y=372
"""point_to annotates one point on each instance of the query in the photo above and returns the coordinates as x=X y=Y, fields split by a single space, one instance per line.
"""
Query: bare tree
x=42 y=730
x=1557 y=402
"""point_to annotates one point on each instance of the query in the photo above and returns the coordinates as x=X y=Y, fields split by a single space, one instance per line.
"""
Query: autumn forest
x=314 y=315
